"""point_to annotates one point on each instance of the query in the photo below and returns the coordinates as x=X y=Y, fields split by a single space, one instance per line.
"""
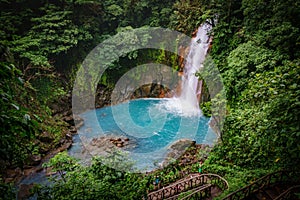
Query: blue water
x=144 y=121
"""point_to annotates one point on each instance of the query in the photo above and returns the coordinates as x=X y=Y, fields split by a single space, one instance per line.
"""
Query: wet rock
x=12 y=173
x=61 y=105
x=67 y=113
x=103 y=96
x=181 y=145
x=108 y=143
x=69 y=136
x=79 y=124
x=69 y=119
x=46 y=137
x=146 y=90
x=77 y=119
x=178 y=149
x=161 y=94
x=65 y=146
x=93 y=142
x=62 y=141
x=29 y=171
x=36 y=159
x=73 y=129
x=120 y=144
x=24 y=191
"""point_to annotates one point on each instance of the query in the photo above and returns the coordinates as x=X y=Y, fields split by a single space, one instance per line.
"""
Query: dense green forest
x=256 y=47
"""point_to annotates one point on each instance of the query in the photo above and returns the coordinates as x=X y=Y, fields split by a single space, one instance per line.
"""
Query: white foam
x=187 y=104
x=178 y=106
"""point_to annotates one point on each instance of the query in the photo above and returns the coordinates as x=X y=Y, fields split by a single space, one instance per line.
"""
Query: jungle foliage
x=97 y=181
x=256 y=47
x=42 y=45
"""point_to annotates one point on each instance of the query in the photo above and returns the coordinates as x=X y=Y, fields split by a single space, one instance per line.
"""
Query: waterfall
x=187 y=102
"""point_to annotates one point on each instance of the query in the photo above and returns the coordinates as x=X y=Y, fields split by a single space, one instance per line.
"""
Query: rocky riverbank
x=62 y=109
x=108 y=143
x=49 y=145
x=186 y=152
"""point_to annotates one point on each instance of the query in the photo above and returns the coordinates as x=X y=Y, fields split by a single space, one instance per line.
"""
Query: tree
x=98 y=181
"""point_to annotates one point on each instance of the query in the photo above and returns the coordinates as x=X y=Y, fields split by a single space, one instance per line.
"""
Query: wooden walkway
x=197 y=186
x=264 y=188
x=194 y=185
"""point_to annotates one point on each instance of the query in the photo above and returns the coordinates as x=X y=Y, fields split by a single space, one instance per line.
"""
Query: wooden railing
x=265 y=181
x=188 y=184
x=198 y=193
x=287 y=194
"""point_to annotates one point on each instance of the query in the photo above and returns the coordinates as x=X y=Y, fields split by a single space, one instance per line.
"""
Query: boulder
x=177 y=149
x=108 y=143
x=181 y=145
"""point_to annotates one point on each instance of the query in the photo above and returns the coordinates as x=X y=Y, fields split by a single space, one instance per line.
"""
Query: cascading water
x=187 y=103
x=153 y=125
x=166 y=122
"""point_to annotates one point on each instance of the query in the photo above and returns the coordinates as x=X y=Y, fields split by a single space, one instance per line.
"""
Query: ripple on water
x=145 y=121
